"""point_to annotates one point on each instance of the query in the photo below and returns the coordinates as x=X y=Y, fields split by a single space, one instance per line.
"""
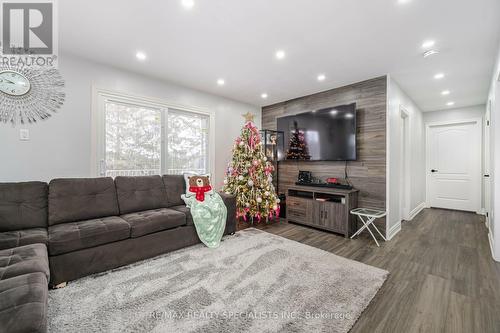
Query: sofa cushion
x=231 y=221
x=24 y=260
x=175 y=186
x=74 y=236
x=150 y=221
x=23 y=303
x=23 y=205
x=77 y=199
x=140 y=193
x=186 y=211
x=10 y=239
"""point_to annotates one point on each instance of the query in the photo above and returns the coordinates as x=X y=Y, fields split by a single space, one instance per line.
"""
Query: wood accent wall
x=368 y=173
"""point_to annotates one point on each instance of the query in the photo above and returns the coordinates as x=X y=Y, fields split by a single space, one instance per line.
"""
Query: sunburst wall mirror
x=28 y=94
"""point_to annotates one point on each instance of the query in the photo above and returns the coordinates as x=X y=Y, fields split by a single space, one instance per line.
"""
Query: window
x=133 y=140
x=137 y=137
x=187 y=142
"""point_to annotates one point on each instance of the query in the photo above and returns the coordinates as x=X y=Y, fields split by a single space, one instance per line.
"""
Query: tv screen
x=323 y=135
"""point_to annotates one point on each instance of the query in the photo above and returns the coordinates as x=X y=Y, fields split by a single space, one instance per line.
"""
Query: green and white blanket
x=209 y=218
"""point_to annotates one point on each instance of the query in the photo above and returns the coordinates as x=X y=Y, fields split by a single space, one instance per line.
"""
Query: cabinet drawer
x=296 y=214
x=299 y=209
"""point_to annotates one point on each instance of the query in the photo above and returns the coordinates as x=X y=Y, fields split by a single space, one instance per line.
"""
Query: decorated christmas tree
x=298 y=147
x=249 y=176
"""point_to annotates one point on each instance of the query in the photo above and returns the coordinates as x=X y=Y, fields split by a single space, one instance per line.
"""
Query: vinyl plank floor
x=442 y=277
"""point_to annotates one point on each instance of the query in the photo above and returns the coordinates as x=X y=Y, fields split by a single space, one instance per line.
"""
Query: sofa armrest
x=230 y=202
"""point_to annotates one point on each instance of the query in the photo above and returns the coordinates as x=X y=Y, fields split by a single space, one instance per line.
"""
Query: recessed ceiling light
x=445 y=92
x=141 y=56
x=321 y=77
x=188 y=4
x=280 y=54
x=263 y=95
x=439 y=76
x=429 y=53
x=450 y=103
x=402 y=2
x=428 y=43
x=333 y=112
x=221 y=82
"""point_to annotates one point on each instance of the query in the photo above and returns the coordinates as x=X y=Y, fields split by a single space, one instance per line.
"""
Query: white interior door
x=454 y=165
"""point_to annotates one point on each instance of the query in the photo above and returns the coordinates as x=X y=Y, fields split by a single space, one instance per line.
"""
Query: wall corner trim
x=393 y=231
x=482 y=211
x=416 y=210
x=492 y=247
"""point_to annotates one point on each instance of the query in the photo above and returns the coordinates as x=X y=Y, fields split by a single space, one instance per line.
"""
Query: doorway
x=454 y=165
x=487 y=163
x=404 y=166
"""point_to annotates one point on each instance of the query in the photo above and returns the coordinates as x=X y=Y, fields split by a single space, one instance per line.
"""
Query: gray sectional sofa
x=81 y=226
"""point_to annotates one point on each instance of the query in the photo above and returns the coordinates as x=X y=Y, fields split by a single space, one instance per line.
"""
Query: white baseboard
x=492 y=248
x=416 y=210
x=393 y=230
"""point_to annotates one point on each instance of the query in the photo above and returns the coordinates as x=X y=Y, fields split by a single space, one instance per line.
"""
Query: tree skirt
x=254 y=282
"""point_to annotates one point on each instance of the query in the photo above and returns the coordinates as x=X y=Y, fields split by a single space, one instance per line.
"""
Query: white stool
x=368 y=216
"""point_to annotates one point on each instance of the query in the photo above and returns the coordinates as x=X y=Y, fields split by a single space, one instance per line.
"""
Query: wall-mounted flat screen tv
x=328 y=134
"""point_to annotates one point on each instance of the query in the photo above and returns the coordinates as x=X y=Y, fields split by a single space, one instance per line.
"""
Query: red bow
x=200 y=191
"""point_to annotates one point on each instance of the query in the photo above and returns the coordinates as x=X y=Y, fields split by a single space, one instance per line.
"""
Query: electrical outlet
x=24 y=134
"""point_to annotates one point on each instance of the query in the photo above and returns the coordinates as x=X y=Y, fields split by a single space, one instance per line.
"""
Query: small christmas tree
x=249 y=176
x=298 y=147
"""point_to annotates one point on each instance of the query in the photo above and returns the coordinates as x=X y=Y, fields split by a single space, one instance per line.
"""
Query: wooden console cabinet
x=323 y=208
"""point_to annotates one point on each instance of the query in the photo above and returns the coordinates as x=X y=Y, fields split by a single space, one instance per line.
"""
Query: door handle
x=326 y=214
x=434 y=170
x=321 y=215
x=487 y=176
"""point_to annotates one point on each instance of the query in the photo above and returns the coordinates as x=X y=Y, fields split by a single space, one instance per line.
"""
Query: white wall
x=494 y=97
x=470 y=112
x=397 y=98
x=61 y=145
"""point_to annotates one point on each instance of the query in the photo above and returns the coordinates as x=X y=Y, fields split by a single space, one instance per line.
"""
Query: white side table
x=368 y=216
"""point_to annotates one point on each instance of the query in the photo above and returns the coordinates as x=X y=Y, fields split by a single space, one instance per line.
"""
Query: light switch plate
x=24 y=134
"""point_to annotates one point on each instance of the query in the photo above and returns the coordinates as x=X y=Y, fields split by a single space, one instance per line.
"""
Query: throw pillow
x=198 y=185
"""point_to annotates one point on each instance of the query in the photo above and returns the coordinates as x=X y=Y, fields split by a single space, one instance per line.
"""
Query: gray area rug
x=254 y=282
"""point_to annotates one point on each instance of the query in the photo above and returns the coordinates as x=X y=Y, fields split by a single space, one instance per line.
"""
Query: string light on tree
x=249 y=176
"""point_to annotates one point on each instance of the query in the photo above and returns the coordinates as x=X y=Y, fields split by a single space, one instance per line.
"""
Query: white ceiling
x=348 y=40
